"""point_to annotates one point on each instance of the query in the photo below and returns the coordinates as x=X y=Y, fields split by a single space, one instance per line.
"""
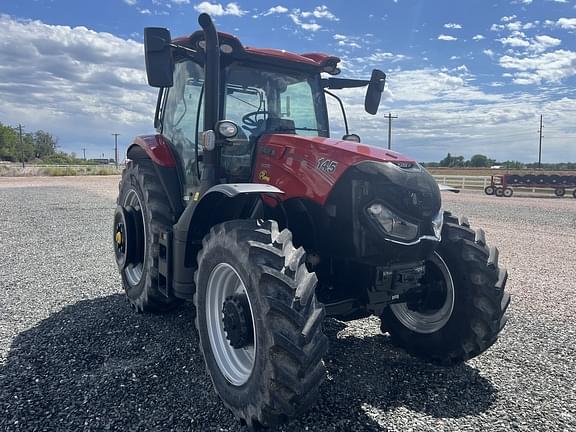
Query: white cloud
x=181 y=2
x=306 y=26
x=217 y=9
x=452 y=26
x=349 y=44
x=441 y=112
x=444 y=37
x=508 y=18
x=478 y=37
x=380 y=56
x=131 y=2
x=145 y=11
x=542 y=43
x=339 y=37
x=489 y=52
x=514 y=41
x=512 y=25
x=538 y=44
x=550 y=67
x=320 y=12
x=566 y=23
x=73 y=76
x=276 y=10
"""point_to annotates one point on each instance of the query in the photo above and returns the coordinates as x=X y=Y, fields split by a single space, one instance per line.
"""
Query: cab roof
x=231 y=45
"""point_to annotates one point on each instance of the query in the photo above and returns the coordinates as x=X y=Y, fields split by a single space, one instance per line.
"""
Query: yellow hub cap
x=118 y=237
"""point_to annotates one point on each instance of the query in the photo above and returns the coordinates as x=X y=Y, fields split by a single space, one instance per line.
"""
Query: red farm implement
x=504 y=185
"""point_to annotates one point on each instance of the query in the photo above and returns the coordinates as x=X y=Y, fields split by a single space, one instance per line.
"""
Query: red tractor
x=244 y=204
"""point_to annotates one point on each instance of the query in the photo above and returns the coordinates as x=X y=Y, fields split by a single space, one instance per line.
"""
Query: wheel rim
x=429 y=321
x=134 y=271
x=235 y=364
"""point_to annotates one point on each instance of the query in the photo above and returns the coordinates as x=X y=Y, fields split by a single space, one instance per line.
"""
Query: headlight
x=437 y=223
x=391 y=223
x=227 y=129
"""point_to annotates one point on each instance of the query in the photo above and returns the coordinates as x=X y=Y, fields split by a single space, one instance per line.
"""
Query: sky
x=463 y=76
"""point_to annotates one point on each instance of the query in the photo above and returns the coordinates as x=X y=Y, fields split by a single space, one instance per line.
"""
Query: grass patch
x=59 y=171
x=103 y=171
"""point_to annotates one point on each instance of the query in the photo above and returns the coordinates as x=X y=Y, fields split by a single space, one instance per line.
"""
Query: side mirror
x=158 y=55
x=374 y=91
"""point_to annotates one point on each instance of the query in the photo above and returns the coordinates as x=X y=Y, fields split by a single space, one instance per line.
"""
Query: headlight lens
x=437 y=224
x=391 y=223
x=227 y=129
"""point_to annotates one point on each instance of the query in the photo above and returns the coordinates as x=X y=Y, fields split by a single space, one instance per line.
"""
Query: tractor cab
x=215 y=89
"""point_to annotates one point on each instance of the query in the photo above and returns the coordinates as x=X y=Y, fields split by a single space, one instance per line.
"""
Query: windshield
x=270 y=100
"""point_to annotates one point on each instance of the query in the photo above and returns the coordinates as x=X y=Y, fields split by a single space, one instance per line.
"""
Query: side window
x=181 y=122
x=296 y=106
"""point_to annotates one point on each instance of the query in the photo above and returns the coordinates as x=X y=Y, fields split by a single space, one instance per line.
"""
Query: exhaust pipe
x=211 y=96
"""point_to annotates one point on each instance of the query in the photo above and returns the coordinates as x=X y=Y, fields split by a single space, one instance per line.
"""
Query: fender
x=167 y=164
x=220 y=203
x=157 y=148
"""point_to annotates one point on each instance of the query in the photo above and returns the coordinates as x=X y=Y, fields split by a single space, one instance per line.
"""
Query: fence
x=463 y=182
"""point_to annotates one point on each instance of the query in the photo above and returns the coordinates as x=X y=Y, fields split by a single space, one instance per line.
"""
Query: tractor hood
x=311 y=166
x=345 y=152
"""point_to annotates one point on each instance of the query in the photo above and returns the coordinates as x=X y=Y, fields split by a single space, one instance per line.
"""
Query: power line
x=390 y=117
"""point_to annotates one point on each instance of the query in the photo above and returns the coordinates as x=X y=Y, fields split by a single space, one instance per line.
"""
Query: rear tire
x=474 y=310
x=559 y=192
x=499 y=192
x=281 y=365
x=508 y=192
x=141 y=192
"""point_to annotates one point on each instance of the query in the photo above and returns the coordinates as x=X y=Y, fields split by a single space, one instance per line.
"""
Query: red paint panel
x=157 y=149
x=289 y=162
x=269 y=52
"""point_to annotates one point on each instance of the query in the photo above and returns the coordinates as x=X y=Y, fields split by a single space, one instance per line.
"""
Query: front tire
x=146 y=214
x=466 y=318
x=259 y=323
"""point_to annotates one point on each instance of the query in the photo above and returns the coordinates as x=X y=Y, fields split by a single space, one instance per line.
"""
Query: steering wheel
x=251 y=122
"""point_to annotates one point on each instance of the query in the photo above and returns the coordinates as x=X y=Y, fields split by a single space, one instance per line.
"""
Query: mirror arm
x=341 y=107
x=342 y=83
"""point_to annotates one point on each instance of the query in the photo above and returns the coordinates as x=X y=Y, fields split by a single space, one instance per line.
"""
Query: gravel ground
x=73 y=356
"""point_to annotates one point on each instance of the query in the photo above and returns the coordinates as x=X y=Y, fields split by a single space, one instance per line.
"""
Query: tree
x=44 y=144
x=8 y=143
x=479 y=160
x=452 y=161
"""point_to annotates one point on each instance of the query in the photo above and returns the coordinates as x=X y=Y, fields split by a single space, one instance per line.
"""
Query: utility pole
x=390 y=117
x=21 y=145
x=84 y=150
x=540 y=145
x=116 y=148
